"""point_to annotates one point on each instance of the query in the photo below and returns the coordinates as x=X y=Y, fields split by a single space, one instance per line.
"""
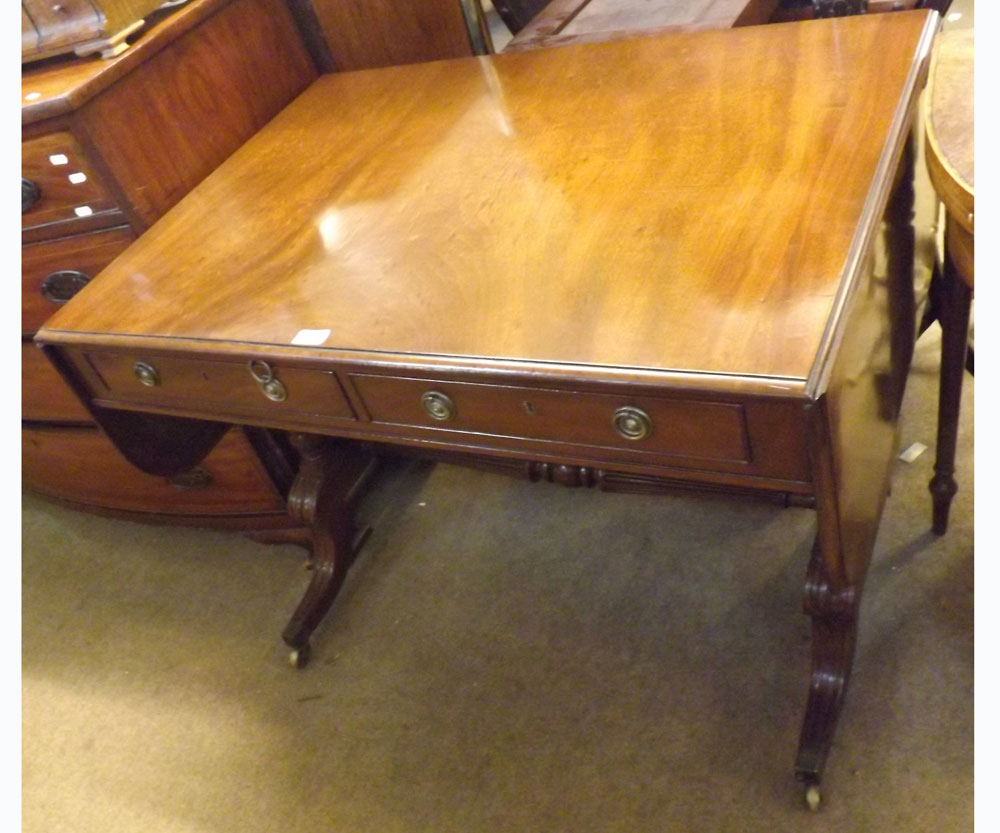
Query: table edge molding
x=875 y=204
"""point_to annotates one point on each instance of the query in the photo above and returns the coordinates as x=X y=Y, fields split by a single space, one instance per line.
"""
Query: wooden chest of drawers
x=217 y=71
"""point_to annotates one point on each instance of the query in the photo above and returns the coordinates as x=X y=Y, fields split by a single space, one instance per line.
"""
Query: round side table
x=950 y=162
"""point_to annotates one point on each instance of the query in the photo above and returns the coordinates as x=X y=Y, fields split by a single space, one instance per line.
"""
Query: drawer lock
x=438 y=405
x=146 y=374
x=264 y=376
x=632 y=423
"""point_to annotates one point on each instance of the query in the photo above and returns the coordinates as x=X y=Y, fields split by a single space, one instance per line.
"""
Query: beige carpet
x=506 y=656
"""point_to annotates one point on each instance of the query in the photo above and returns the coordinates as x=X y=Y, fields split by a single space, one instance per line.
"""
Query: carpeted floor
x=506 y=656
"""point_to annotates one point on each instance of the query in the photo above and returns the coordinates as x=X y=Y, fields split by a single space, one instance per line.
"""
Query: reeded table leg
x=330 y=479
x=956 y=301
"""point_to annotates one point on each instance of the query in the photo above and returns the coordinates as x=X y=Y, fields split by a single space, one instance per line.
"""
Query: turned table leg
x=956 y=300
x=330 y=479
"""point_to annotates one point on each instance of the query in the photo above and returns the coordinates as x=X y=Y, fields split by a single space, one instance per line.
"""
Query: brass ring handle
x=60 y=286
x=146 y=374
x=263 y=375
x=438 y=405
x=261 y=371
x=632 y=423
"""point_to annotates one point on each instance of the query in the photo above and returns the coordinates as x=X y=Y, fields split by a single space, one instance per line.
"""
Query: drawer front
x=58 y=183
x=81 y=465
x=642 y=424
x=63 y=22
x=44 y=395
x=218 y=387
x=51 y=272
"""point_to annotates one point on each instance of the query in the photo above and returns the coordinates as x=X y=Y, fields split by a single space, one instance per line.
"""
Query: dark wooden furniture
x=683 y=269
x=949 y=150
x=517 y=14
x=107 y=147
x=809 y=9
x=585 y=21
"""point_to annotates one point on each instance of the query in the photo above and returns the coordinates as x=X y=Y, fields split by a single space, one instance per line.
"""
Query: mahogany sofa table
x=633 y=264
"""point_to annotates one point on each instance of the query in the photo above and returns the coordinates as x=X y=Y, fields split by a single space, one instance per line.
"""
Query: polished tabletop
x=691 y=202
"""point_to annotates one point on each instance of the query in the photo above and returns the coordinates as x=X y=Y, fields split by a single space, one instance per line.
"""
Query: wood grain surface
x=86 y=253
x=60 y=196
x=375 y=33
x=80 y=465
x=691 y=203
x=44 y=395
x=67 y=21
x=191 y=105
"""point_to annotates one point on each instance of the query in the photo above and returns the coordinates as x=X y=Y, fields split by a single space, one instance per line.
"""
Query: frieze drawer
x=239 y=387
x=649 y=424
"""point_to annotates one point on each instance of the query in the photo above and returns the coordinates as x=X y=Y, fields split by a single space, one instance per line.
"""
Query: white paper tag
x=912 y=452
x=310 y=338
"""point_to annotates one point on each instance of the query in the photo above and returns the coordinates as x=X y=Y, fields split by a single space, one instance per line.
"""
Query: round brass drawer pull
x=438 y=405
x=146 y=374
x=275 y=391
x=60 y=286
x=30 y=194
x=632 y=423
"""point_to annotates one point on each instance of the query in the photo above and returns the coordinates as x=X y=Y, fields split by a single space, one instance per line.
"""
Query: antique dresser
x=108 y=146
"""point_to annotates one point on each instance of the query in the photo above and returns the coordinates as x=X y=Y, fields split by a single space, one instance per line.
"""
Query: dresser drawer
x=217 y=387
x=44 y=394
x=51 y=272
x=81 y=465
x=63 y=22
x=58 y=183
x=642 y=424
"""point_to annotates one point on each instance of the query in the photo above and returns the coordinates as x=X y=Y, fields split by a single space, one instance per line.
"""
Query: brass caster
x=299 y=657
x=813 y=797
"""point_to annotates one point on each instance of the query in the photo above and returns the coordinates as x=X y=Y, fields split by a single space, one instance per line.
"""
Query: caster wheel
x=299 y=657
x=813 y=797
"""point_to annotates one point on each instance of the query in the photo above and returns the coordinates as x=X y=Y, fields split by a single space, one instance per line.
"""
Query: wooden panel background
x=44 y=395
x=376 y=33
x=87 y=253
x=190 y=104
